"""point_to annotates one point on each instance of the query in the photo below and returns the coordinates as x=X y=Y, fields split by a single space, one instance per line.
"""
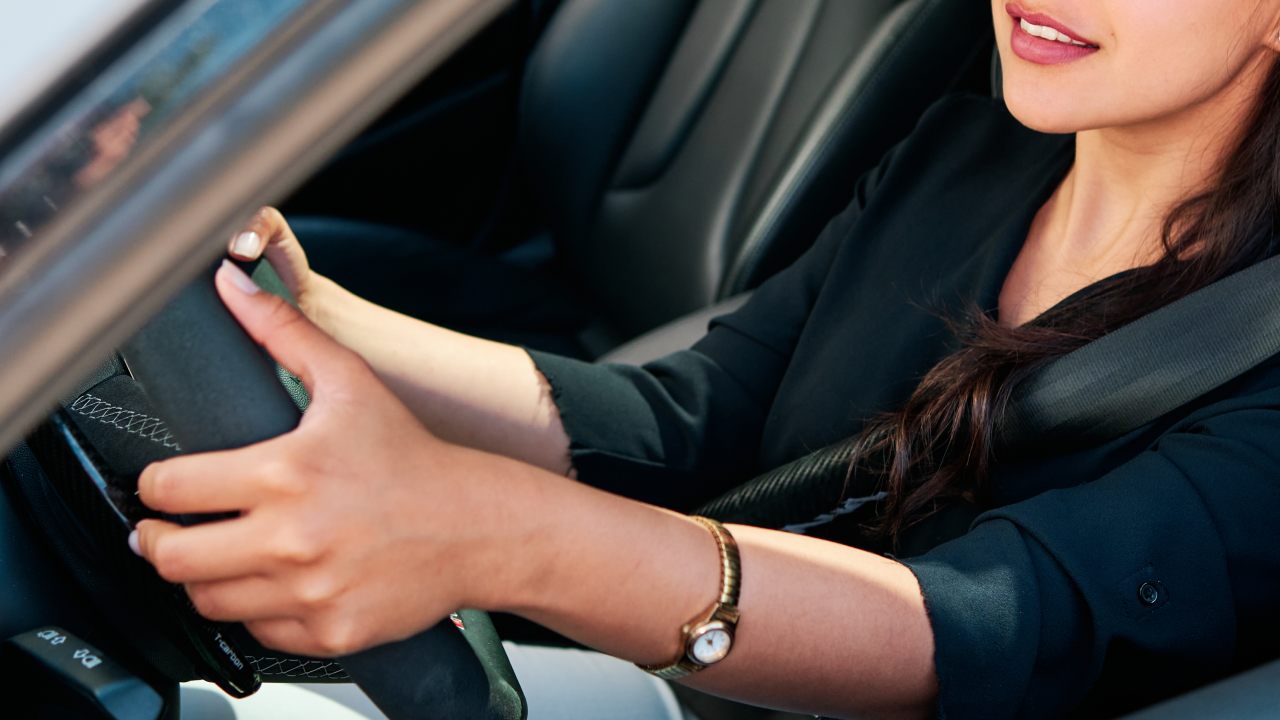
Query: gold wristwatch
x=708 y=638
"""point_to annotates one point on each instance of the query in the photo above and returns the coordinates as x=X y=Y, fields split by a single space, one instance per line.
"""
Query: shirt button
x=1149 y=593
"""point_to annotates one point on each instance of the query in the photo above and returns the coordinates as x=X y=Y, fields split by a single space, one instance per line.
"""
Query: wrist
x=708 y=637
x=511 y=534
x=325 y=303
x=614 y=574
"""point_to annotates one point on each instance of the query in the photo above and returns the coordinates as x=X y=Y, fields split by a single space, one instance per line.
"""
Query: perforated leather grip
x=212 y=383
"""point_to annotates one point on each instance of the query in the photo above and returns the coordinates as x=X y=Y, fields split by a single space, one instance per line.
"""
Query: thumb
x=287 y=335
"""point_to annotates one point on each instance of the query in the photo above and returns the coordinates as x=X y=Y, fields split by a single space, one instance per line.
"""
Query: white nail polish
x=239 y=279
x=133 y=543
x=246 y=245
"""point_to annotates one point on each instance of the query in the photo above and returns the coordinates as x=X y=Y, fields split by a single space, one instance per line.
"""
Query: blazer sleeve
x=680 y=430
x=1146 y=581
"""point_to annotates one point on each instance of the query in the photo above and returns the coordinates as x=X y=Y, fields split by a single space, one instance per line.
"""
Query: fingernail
x=246 y=245
x=133 y=543
x=243 y=282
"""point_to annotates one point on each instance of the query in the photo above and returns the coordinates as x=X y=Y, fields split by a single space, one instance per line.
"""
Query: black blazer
x=1099 y=579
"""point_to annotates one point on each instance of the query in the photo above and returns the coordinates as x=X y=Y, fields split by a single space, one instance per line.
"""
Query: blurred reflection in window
x=125 y=105
x=111 y=140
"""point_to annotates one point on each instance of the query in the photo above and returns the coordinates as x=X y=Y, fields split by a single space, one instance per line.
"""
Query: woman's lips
x=1042 y=40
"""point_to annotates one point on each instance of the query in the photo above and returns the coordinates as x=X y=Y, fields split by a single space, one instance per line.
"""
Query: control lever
x=50 y=673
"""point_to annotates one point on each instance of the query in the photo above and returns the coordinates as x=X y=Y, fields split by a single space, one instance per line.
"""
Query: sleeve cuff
x=982 y=612
x=607 y=422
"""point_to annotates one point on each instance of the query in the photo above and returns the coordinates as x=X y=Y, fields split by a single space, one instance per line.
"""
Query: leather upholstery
x=685 y=150
x=1253 y=695
x=677 y=334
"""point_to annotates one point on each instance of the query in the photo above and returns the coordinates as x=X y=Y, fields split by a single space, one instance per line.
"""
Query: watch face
x=711 y=646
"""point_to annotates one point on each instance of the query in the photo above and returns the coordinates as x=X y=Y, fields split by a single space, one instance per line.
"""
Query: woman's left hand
x=353 y=530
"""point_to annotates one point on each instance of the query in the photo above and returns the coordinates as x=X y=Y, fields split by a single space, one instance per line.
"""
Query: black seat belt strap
x=1109 y=387
x=1155 y=364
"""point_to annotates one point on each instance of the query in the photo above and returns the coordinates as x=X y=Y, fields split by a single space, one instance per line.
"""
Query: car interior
x=662 y=157
x=596 y=178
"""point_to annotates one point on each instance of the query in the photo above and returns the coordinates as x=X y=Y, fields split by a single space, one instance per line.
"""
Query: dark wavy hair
x=938 y=448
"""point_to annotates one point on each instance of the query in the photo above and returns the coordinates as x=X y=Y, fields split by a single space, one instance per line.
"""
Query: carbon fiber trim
x=793 y=494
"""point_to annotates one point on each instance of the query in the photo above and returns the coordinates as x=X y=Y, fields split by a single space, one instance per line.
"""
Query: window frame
x=104 y=265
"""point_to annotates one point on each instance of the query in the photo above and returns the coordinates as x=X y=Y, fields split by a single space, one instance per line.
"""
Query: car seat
x=677 y=152
x=683 y=331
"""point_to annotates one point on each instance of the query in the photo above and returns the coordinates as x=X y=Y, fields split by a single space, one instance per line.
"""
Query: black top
x=1100 y=578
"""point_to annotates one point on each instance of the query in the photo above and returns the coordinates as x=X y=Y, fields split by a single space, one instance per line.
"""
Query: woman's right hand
x=268 y=233
x=468 y=391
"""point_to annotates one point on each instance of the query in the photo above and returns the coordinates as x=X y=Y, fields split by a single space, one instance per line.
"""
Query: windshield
x=142 y=94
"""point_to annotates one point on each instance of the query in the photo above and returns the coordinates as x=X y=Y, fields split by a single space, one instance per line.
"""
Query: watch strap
x=724 y=610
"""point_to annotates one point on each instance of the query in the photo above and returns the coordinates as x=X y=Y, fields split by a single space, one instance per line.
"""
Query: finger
x=293 y=340
x=284 y=634
x=207 y=552
x=241 y=599
x=283 y=250
x=227 y=481
x=257 y=234
x=246 y=245
x=268 y=233
x=279 y=236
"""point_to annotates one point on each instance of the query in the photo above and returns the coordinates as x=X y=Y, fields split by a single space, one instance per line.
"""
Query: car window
x=44 y=40
x=120 y=183
x=142 y=93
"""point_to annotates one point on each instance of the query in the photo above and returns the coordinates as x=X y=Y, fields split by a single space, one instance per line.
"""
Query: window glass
x=43 y=40
x=134 y=100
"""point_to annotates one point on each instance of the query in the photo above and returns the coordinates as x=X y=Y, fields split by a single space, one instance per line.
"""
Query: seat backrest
x=683 y=150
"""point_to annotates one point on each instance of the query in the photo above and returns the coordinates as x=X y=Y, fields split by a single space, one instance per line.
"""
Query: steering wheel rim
x=216 y=389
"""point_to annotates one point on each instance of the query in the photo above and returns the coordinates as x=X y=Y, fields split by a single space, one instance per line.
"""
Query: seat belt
x=1155 y=364
x=1111 y=386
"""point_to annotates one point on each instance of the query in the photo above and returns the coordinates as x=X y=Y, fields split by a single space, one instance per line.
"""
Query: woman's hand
x=360 y=527
x=268 y=233
x=470 y=391
x=353 y=530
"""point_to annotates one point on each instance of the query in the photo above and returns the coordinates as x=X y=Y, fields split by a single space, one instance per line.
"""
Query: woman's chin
x=1047 y=114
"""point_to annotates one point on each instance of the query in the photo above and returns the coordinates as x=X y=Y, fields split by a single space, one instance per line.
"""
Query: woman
x=1144 y=162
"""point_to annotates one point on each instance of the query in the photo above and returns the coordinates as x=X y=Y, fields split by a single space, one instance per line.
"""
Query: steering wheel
x=193 y=366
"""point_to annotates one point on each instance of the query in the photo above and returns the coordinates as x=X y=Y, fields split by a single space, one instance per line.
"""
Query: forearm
x=467 y=390
x=825 y=628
